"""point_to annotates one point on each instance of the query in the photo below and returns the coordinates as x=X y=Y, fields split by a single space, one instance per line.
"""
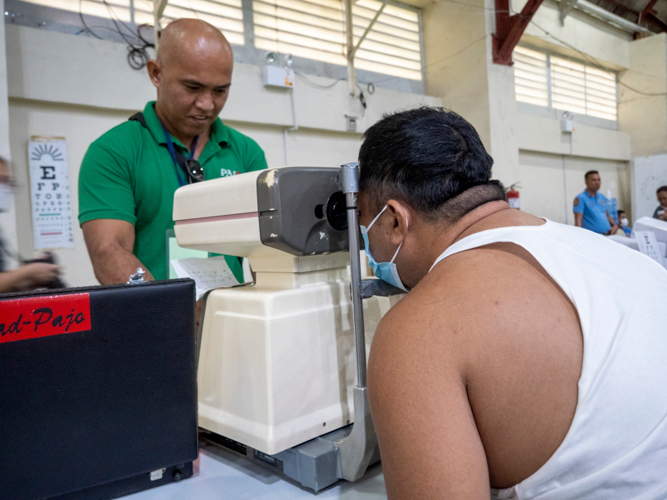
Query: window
x=225 y=15
x=315 y=29
x=531 y=79
x=583 y=89
x=552 y=81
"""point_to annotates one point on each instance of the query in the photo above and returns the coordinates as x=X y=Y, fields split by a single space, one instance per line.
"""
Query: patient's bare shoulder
x=464 y=289
x=445 y=312
x=485 y=327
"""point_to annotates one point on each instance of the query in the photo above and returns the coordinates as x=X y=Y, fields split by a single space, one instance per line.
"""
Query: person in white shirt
x=29 y=276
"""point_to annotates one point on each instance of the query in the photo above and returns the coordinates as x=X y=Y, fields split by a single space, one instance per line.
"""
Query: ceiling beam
x=510 y=28
x=650 y=16
x=646 y=10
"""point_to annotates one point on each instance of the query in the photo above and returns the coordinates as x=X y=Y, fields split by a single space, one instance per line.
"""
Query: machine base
x=129 y=485
x=314 y=464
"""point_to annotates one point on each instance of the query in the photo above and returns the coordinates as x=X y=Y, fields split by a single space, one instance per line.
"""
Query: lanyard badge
x=193 y=170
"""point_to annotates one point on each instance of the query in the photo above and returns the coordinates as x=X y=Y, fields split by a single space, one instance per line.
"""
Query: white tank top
x=616 y=447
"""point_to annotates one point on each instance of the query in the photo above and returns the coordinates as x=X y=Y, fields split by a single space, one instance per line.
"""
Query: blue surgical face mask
x=386 y=271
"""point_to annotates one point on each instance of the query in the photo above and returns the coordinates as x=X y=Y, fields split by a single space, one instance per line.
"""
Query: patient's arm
x=428 y=439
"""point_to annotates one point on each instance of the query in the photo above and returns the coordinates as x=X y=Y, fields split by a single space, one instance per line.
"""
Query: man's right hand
x=110 y=243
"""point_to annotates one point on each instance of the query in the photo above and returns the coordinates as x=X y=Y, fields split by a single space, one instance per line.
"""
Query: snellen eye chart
x=49 y=193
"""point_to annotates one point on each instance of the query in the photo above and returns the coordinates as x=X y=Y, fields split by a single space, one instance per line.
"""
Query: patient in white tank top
x=517 y=364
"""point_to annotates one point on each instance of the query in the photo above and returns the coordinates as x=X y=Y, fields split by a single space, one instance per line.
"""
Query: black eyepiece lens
x=336 y=211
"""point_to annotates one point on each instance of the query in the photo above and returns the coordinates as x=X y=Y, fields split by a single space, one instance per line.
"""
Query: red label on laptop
x=34 y=317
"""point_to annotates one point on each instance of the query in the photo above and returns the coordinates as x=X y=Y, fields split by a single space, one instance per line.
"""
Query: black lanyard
x=193 y=170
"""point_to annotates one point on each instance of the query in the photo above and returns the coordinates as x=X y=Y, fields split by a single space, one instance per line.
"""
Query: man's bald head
x=192 y=74
x=190 y=37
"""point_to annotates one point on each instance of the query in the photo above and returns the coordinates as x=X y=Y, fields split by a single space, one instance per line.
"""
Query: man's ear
x=402 y=220
x=153 y=68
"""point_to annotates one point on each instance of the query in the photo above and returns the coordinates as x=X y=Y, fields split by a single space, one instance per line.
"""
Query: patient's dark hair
x=430 y=158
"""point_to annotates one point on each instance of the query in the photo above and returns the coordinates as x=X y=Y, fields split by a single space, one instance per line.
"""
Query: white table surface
x=219 y=474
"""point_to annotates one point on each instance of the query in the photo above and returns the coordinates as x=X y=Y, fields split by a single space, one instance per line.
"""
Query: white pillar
x=7 y=219
x=460 y=70
x=643 y=116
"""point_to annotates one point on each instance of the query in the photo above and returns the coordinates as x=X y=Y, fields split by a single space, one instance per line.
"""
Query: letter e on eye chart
x=49 y=193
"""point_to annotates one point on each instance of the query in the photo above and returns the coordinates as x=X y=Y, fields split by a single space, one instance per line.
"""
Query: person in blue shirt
x=590 y=207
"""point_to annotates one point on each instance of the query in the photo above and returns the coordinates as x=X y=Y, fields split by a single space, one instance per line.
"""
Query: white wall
x=78 y=87
x=527 y=147
x=595 y=38
x=553 y=163
x=68 y=69
x=551 y=182
x=536 y=133
x=57 y=82
x=29 y=118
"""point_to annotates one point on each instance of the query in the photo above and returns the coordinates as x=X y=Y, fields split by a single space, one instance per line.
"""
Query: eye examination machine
x=282 y=362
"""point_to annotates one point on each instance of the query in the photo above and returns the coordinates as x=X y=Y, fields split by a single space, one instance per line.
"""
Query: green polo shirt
x=128 y=174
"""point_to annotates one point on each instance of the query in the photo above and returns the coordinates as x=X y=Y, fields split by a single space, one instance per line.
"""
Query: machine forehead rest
x=302 y=210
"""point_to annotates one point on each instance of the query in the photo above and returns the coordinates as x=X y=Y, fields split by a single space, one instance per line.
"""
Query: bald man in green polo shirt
x=129 y=175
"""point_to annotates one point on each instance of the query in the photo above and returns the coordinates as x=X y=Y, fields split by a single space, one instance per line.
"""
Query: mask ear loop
x=376 y=218
x=397 y=250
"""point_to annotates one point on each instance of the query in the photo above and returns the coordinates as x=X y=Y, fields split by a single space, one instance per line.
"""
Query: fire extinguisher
x=512 y=196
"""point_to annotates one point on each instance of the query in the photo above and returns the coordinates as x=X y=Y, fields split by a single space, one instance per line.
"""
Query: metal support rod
x=158 y=11
x=564 y=8
x=369 y=27
x=156 y=33
x=349 y=33
x=350 y=183
x=646 y=10
x=356 y=451
x=596 y=11
x=355 y=272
